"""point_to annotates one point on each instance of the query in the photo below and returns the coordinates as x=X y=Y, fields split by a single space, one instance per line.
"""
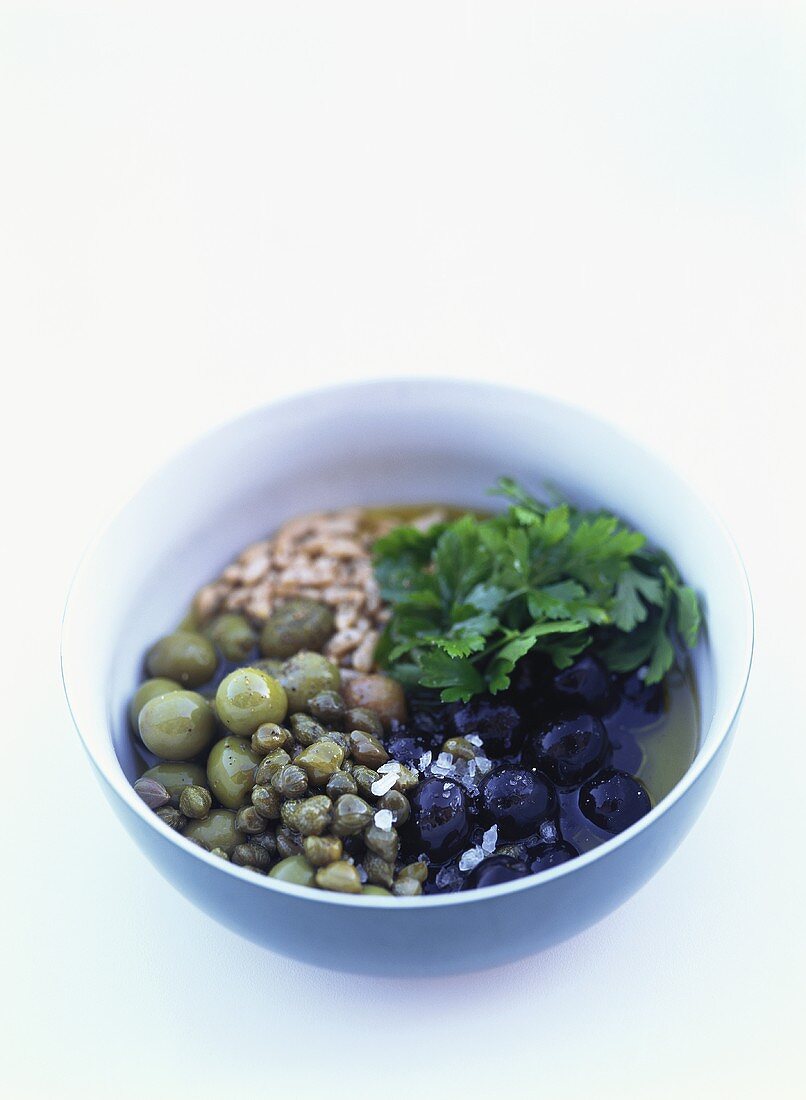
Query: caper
x=351 y=815
x=407 y=888
x=305 y=729
x=266 y=840
x=195 y=802
x=383 y=842
x=175 y=775
x=305 y=675
x=148 y=690
x=270 y=765
x=460 y=748
x=247 y=698
x=406 y=778
x=417 y=870
x=184 y=656
x=378 y=870
x=320 y=761
x=267 y=802
x=297 y=624
x=218 y=852
x=251 y=855
x=307 y=816
x=288 y=842
x=172 y=817
x=366 y=749
x=378 y=693
x=233 y=635
x=340 y=876
x=269 y=737
x=152 y=793
x=359 y=718
x=321 y=850
x=231 y=771
x=341 y=782
x=399 y=805
x=290 y=781
x=177 y=726
x=328 y=707
x=295 y=869
x=217 y=830
x=249 y=821
x=365 y=778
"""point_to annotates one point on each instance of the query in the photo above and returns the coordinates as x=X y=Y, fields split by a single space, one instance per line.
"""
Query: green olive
x=247 y=698
x=305 y=675
x=185 y=656
x=217 y=830
x=148 y=690
x=177 y=726
x=175 y=775
x=233 y=635
x=379 y=890
x=231 y=771
x=268 y=664
x=298 y=624
x=294 y=869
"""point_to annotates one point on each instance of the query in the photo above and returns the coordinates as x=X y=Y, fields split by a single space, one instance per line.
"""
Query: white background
x=204 y=206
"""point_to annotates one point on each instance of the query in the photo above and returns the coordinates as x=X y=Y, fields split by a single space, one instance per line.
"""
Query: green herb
x=472 y=597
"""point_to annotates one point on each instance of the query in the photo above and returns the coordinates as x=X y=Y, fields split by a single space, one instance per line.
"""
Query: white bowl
x=396 y=441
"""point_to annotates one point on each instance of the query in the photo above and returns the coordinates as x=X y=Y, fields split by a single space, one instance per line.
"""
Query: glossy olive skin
x=305 y=675
x=175 y=775
x=148 y=690
x=185 y=656
x=495 y=869
x=440 y=823
x=297 y=624
x=177 y=726
x=517 y=800
x=497 y=724
x=294 y=869
x=247 y=698
x=231 y=771
x=217 y=830
x=614 y=800
x=552 y=855
x=569 y=750
x=233 y=635
x=585 y=685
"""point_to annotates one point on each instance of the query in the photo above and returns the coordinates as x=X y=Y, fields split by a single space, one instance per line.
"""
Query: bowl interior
x=410 y=441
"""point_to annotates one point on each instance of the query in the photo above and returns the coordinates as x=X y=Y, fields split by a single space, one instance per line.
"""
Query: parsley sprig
x=471 y=597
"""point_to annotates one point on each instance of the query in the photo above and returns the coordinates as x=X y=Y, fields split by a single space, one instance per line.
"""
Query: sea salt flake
x=384 y=819
x=362 y=874
x=424 y=761
x=389 y=767
x=548 y=831
x=483 y=765
x=470 y=771
x=384 y=783
x=474 y=739
x=449 y=878
x=471 y=858
x=490 y=839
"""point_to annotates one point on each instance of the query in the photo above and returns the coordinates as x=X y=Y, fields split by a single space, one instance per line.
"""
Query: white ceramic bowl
x=406 y=440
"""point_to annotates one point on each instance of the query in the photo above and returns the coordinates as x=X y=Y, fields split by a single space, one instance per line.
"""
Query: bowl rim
x=119 y=783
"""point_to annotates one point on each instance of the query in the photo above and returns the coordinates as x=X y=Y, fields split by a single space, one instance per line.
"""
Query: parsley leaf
x=472 y=597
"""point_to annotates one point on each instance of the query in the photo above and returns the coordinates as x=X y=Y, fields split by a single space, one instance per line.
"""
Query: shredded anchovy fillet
x=325 y=556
